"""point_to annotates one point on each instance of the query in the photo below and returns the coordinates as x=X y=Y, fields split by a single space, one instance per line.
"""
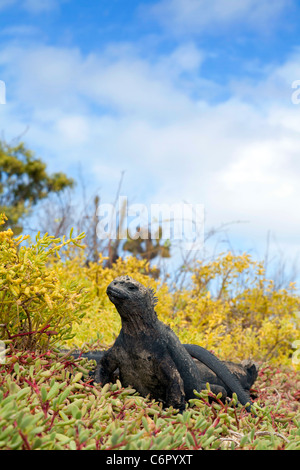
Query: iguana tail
x=219 y=368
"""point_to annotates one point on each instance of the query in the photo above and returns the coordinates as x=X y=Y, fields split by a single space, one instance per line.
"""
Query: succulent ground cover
x=47 y=401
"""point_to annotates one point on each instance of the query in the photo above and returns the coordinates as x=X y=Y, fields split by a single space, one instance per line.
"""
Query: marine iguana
x=150 y=357
x=246 y=372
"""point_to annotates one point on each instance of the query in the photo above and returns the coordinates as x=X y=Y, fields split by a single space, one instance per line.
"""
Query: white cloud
x=24 y=30
x=38 y=6
x=6 y=4
x=126 y=84
x=239 y=157
x=196 y=16
x=185 y=58
x=32 y=6
x=73 y=129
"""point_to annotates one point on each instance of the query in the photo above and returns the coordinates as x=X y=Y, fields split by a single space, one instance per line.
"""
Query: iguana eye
x=132 y=287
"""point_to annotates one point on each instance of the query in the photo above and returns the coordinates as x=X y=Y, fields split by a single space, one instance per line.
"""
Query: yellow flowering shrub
x=230 y=307
x=235 y=311
x=38 y=303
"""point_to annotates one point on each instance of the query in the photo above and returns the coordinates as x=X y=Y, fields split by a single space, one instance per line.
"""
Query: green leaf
x=44 y=393
x=54 y=390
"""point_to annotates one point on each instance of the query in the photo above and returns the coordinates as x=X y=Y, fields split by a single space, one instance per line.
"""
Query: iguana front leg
x=175 y=395
x=106 y=367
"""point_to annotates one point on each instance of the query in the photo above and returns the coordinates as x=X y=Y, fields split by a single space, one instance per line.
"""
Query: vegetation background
x=53 y=295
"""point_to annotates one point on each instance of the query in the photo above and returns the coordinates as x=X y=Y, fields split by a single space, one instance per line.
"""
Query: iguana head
x=132 y=300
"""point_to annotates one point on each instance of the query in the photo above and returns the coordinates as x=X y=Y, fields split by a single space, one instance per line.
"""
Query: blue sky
x=192 y=98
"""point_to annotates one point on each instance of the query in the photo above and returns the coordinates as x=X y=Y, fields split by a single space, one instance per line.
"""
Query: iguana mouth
x=115 y=293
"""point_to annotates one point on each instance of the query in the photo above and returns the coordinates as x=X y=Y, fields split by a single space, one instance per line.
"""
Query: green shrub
x=38 y=303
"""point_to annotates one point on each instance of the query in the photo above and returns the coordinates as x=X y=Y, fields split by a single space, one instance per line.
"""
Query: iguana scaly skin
x=149 y=355
x=246 y=372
